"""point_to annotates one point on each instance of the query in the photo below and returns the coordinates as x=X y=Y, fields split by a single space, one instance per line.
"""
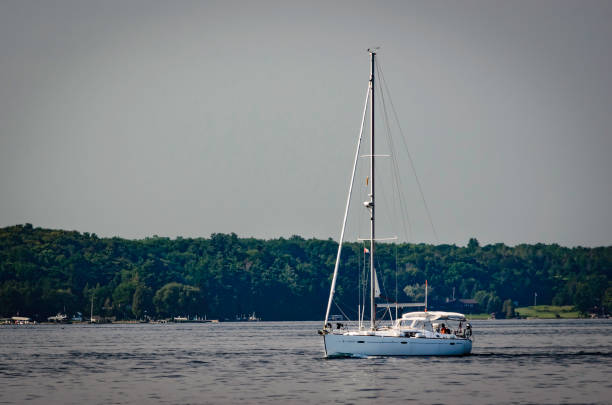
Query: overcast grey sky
x=135 y=118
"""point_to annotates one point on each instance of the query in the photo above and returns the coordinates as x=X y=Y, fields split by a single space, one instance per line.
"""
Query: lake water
x=514 y=361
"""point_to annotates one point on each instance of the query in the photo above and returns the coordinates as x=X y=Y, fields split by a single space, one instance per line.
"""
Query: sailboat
x=422 y=333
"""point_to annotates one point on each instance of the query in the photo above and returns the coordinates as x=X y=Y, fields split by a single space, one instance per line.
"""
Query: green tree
x=508 y=308
x=177 y=299
x=123 y=298
x=44 y=270
x=494 y=304
x=607 y=301
x=416 y=292
x=141 y=302
x=482 y=297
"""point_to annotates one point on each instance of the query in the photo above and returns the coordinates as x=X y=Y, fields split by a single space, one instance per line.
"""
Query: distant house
x=464 y=305
x=103 y=319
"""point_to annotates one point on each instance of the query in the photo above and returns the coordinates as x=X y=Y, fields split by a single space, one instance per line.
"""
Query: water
x=548 y=362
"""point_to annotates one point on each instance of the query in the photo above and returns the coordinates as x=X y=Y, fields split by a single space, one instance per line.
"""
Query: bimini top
x=435 y=315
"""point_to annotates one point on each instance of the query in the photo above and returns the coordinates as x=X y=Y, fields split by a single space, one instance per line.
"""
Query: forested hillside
x=45 y=271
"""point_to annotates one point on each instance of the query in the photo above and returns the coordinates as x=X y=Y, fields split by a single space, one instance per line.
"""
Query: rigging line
x=358 y=286
x=362 y=287
x=390 y=314
x=383 y=288
x=396 y=301
x=366 y=279
x=395 y=166
x=364 y=220
x=360 y=195
x=381 y=318
x=422 y=194
x=378 y=264
x=346 y=210
x=405 y=216
x=384 y=82
x=341 y=311
x=364 y=283
x=389 y=213
x=386 y=212
x=396 y=172
x=396 y=178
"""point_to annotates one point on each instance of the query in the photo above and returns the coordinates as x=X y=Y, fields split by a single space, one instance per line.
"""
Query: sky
x=141 y=118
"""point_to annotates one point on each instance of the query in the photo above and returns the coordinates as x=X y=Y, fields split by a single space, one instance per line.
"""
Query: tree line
x=45 y=271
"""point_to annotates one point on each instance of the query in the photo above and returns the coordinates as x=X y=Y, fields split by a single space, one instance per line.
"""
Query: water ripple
x=513 y=362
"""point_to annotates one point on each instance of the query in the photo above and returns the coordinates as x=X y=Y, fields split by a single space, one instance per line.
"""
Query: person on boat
x=443 y=329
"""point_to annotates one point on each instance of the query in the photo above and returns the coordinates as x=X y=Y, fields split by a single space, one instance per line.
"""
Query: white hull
x=352 y=345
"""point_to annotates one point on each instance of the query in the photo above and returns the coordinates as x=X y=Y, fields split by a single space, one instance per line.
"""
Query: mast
x=371 y=203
